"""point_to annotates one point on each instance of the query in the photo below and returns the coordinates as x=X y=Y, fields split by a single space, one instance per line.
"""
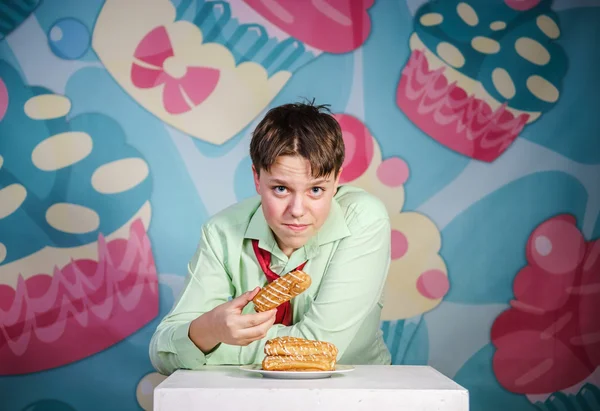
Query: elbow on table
x=165 y=350
x=156 y=361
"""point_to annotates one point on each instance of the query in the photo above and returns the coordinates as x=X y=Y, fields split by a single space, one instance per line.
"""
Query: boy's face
x=294 y=203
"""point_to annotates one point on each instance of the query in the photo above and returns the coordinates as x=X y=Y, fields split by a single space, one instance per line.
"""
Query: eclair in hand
x=281 y=290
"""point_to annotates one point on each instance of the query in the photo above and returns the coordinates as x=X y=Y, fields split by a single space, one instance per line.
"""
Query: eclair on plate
x=299 y=354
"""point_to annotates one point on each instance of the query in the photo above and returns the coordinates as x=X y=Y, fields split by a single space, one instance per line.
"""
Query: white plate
x=296 y=375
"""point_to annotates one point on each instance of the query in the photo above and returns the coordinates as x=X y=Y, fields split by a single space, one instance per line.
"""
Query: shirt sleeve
x=207 y=285
x=352 y=285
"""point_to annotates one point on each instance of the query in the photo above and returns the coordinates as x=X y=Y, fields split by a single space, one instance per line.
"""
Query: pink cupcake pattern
x=549 y=340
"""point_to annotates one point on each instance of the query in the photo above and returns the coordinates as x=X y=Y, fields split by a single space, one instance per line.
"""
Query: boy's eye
x=317 y=190
x=279 y=189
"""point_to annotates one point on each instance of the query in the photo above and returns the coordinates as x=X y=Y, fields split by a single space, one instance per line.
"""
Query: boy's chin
x=294 y=241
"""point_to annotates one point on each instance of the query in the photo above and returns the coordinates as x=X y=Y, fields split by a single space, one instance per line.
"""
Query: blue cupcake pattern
x=512 y=53
x=58 y=200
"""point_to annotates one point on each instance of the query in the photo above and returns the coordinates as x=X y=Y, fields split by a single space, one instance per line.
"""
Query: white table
x=368 y=388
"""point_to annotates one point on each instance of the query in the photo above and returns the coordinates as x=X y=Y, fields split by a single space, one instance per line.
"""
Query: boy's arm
x=207 y=285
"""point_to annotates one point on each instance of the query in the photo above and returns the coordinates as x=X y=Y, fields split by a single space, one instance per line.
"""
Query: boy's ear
x=256 y=179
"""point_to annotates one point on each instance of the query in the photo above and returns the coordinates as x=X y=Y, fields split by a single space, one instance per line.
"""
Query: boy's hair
x=299 y=129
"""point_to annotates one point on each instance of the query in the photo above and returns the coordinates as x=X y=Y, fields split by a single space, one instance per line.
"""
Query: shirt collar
x=334 y=228
x=258 y=229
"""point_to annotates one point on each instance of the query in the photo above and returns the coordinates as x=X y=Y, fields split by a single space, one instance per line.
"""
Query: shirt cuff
x=224 y=354
x=189 y=355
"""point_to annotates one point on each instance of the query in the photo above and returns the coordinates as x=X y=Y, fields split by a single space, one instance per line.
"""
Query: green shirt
x=348 y=261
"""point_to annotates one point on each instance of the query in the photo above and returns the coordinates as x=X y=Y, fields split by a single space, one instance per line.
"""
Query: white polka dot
x=543 y=245
x=542 y=89
x=61 y=150
x=548 y=26
x=532 y=51
x=450 y=54
x=498 y=25
x=431 y=19
x=47 y=106
x=2 y=252
x=72 y=218
x=485 y=45
x=56 y=34
x=11 y=198
x=503 y=83
x=120 y=175
x=1 y=161
x=467 y=14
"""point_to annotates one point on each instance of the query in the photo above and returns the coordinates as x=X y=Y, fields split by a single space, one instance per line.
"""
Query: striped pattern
x=298 y=346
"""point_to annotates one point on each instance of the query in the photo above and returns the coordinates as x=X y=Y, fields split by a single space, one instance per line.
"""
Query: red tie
x=284 y=311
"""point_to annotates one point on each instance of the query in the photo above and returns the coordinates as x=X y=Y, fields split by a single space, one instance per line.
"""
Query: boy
x=301 y=218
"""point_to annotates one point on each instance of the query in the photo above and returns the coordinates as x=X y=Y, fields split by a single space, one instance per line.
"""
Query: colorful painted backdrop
x=124 y=125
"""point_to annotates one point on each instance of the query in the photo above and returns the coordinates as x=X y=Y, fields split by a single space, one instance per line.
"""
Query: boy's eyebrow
x=320 y=181
x=283 y=183
x=277 y=181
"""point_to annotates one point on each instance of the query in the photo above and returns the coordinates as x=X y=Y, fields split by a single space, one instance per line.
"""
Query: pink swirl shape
x=83 y=308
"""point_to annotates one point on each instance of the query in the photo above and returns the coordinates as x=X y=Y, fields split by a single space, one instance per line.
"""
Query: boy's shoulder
x=234 y=216
x=359 y=204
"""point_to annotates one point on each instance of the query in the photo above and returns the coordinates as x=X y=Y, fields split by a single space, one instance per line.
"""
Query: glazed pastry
x=298 y=363
x=293 y=346
x=281 y=290
x=299 y=354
